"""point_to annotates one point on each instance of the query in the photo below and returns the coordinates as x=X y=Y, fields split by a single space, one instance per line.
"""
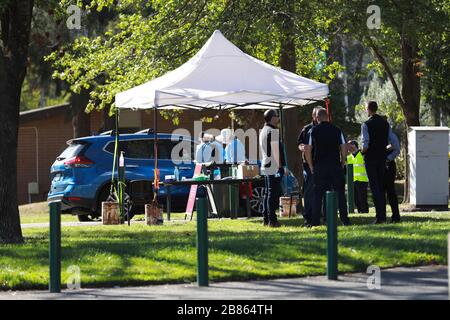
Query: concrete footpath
x=422 y=283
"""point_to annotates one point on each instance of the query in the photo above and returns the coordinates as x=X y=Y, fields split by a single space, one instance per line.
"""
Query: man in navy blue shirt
x=389 y=175
x=326 y=154
x=308 y=192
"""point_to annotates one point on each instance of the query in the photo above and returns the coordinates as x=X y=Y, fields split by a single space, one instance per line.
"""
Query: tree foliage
x=419 y=25
x=152 y=37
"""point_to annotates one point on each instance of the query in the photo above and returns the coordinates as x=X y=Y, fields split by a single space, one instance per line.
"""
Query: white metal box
x=428 y=164
x=33 y=188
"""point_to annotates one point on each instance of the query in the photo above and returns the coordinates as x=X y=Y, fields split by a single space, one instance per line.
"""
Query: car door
x=169 y=156
x=138 y=157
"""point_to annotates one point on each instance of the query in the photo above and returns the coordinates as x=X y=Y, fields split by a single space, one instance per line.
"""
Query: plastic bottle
x=234 y=171
x=176 y=173
x=121 y=160
x=217 y=175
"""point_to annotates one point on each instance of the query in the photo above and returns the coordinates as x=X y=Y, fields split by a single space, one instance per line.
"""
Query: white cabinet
x=428 y=163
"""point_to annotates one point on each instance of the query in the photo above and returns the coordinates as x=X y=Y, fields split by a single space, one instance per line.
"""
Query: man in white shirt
x=273 y=166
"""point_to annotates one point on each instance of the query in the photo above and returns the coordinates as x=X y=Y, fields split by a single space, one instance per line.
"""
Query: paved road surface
x=398 y=283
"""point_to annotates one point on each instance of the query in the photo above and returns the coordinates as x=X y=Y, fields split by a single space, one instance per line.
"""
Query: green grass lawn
x=39 y=213
x=238 y=250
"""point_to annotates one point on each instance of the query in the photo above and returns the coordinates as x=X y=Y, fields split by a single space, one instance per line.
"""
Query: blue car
x=81 y=174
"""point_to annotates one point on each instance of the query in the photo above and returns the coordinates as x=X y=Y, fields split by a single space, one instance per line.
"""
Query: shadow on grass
x=361 y=219
x=131 y=257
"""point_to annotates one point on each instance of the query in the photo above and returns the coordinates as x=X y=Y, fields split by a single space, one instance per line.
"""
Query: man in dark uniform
x=326 y=153
x=375 y=133
x=273 y=166
x=308 y=194
x=390 y=173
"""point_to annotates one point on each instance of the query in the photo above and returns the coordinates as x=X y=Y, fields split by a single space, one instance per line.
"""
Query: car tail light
x=74 y=199
x=78 y=162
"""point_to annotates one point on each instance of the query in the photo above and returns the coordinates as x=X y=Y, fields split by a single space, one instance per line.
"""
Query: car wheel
x=87 y=217
x=128 y=207
x=256 y=201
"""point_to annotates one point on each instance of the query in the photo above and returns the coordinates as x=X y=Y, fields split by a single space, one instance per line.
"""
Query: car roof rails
x=146 y=131
x=107 y=133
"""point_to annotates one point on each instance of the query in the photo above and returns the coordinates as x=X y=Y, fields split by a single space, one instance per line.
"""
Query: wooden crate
x=153 y=214
x=284 y=206
x=110 y=213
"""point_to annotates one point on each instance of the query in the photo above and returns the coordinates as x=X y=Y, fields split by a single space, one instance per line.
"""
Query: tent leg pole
x=282 y=144
x=155 y=151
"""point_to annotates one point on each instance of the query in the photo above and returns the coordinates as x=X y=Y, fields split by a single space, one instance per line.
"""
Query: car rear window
x=71 y=151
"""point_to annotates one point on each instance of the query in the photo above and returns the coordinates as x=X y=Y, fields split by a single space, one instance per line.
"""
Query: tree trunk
x=16 y=23
x=437 y=107
x=10 y=231
x=411 y=97
x=356 y=88
x=290 y=116
x=81 y=121
x=109 y=123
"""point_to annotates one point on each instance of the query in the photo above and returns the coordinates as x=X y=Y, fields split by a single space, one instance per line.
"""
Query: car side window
x=134 y=149
x=165 y=148
x=110 y=146
x=139 y=149
x=143 y=149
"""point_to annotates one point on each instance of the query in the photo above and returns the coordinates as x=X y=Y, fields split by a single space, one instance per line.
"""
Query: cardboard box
x=247 y=171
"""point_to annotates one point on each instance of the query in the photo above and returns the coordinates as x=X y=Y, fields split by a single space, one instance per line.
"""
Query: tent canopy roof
x=221 y=76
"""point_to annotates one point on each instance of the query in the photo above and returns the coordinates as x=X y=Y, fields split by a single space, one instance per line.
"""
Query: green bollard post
x=202 y=242
x=350 y=189
x=332 y=248
x=448 y=261
x=233 y=190
x=55 y=247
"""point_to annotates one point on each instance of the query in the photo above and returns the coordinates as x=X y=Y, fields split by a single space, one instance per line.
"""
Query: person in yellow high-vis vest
x=360 y=179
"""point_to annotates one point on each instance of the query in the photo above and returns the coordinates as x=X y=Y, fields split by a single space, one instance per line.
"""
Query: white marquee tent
x=221 y=76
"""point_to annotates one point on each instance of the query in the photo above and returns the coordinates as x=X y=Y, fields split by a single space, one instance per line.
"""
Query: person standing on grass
x=308 y=194
x=360 y=180
x=326 y=153
x=273 y=166
x=393 y=149
x=376 y=133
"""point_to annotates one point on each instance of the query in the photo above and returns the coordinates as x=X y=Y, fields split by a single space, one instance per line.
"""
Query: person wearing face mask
x=234 y=151
x=209 y=150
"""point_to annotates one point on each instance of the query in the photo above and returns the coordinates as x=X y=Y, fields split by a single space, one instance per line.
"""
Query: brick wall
x=52 y=136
